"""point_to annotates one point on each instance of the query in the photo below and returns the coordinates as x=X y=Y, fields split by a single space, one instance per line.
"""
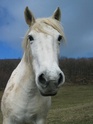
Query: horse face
x=44 y=44
x=44 y=52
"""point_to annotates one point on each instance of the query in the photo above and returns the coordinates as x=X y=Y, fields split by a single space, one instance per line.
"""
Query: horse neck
x=28 y=77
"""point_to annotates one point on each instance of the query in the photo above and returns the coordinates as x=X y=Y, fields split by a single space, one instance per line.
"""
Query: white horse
x=27 y=96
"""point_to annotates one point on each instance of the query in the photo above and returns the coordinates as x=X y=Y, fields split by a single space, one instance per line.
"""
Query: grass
x=72 y=105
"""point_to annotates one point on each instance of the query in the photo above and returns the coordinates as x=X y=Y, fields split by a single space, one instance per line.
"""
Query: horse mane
x=39 y=27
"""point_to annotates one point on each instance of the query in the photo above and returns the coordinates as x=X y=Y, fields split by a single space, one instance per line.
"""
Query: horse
x=27 y=96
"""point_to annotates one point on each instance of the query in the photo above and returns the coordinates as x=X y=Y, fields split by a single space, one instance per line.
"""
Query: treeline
x=77 y=71
x=6 y=68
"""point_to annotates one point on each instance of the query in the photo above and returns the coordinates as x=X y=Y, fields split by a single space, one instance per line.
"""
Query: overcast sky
x=77 y=20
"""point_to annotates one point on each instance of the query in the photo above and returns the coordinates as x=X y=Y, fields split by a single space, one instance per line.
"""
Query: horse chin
x=48 y=94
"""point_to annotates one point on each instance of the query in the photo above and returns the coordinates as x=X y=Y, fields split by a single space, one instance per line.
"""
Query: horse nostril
x=60 y=79
x=42 y=80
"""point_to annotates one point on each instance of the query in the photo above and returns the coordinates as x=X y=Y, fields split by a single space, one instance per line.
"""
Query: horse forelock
x=38 y=26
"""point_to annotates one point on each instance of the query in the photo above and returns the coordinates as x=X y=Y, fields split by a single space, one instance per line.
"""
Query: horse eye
x=59 y=38
x=30 y=37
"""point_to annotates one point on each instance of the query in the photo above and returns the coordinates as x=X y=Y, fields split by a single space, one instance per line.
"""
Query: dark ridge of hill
x=77 y=71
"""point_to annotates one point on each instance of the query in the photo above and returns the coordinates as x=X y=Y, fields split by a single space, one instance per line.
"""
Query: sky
x=77 y=20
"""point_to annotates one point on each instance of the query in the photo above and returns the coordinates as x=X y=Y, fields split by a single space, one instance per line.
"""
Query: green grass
x=72 y=105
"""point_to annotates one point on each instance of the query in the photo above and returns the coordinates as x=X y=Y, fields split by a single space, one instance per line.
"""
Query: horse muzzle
x=48 y=85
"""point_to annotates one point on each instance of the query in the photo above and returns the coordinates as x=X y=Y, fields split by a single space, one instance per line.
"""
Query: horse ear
x=57 y=14
x=30 y=20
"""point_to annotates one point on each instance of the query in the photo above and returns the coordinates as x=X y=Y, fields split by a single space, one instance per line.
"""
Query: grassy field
x=72 y=105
